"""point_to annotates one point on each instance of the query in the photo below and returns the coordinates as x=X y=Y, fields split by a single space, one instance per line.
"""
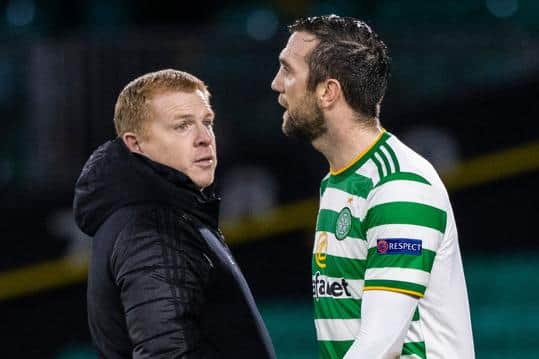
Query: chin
x=204 y=182
x=286 y=118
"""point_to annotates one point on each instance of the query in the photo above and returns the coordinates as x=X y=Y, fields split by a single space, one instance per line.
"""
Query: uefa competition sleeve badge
x=344 y=223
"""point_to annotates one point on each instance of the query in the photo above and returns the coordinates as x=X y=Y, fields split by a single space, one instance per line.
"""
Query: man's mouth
x=205 y=161
x=282 y=102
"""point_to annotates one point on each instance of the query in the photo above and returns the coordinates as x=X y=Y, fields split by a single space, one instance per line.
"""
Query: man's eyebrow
x=192 y=117
x=183 y=117
x=284 y=62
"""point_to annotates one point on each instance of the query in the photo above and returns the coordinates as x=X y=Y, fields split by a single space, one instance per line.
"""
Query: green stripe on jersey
x=423 y=261
x=338 y=349
x=334 y=349
x=393 y=156
x=355 y=184
x=416 y=315
x=339 y=267
x=333 y=308
x=323 y=185
x=342 y=308
x=396 y=284
x=405 y=213
x=417 y=348
x=403 y=176
x=327 y=222
x=386 y=162
x=378 y=166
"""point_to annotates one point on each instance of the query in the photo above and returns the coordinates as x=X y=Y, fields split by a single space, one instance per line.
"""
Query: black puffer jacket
x=161 y=283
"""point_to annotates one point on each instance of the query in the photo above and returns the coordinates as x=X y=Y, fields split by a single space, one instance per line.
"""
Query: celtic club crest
x=344 y=223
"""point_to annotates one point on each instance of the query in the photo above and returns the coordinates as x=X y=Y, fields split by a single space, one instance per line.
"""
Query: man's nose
x=277 y=83
x=204 y=135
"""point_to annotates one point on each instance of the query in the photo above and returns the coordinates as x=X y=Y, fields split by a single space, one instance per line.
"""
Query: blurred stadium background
x=463 y=93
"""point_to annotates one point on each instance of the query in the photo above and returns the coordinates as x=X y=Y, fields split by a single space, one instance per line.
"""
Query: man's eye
x=209 y=124
x=181 y=126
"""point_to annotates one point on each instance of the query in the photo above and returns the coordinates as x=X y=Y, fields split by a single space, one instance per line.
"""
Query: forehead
x=180 y=102
x=300 y=44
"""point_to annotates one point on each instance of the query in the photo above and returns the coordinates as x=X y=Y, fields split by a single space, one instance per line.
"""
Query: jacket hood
x=114 y=177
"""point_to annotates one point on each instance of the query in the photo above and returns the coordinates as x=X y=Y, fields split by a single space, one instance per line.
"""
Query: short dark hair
x=350 y=52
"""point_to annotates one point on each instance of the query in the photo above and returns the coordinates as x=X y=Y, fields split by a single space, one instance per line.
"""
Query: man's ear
x=328 y=92
x=131 y=141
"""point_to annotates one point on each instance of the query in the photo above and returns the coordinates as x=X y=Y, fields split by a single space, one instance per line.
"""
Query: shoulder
x=324 y=184
x=409 y=192
x=155 y=220
x=407 y=161
x=155 y=229
x=404 y=172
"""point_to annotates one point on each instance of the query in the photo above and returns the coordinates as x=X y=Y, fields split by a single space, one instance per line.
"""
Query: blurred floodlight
x=20 y=12
x=502 y=8
x=262 y=24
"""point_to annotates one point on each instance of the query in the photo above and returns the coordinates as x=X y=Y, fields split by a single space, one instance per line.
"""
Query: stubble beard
x=305 y=122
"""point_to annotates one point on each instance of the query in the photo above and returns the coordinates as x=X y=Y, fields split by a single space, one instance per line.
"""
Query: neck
x=344 y=141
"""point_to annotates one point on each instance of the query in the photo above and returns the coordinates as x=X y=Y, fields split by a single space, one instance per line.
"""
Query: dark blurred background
x=465 y=76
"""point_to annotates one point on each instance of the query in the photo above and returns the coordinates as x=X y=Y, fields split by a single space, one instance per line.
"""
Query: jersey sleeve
x=404 y=227
x=385 y=320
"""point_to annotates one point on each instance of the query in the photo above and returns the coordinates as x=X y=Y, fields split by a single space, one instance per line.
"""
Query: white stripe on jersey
x=337 y=329
x=400 y=274
x=389 y=159
x=407 y=191
x=335 y=199
x=370 y=170
x=379 y=158
x=431 y=238
x=410 y=161
x=349 y=247
x=414 y=333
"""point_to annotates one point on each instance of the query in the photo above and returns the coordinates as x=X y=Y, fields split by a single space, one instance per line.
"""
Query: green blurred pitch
x=504 y=298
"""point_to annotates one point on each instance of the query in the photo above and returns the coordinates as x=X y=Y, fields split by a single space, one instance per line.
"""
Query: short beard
x=307 y=122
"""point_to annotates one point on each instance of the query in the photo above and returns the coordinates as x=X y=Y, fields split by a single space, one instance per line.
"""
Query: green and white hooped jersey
x=385 y=222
